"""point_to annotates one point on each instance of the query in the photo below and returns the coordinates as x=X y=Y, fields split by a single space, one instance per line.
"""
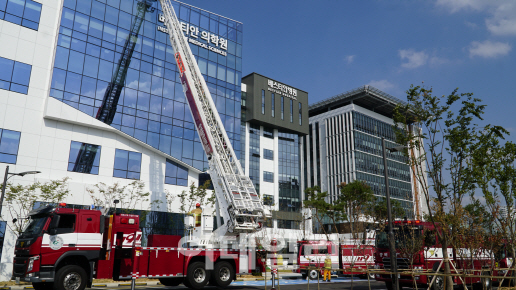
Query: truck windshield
x=34 y=226
x=403 y=236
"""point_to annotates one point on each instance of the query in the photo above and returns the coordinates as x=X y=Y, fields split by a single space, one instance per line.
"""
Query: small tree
x=130 y=196
x=196 y=194
x=317 y=204
x=21 y=199
x=353 y=201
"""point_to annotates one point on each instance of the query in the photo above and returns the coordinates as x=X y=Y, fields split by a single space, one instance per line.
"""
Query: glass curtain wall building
x=273 y=144
x=344 y=144
x=103 y=41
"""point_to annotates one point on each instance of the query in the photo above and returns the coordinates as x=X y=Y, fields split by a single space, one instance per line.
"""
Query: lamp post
x=392 y=248
x=6 y=177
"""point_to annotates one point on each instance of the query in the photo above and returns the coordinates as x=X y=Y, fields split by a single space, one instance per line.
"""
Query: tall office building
x=274 y=123
x=89 y=90
x=344 y=144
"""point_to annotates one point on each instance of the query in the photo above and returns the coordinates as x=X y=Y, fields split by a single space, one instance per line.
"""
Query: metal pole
x=392 y=250
x=3 y=190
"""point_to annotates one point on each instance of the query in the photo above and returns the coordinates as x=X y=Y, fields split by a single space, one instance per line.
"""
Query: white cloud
x=488 y=49
x=456 y=5
x=414 y=59
x=349 y=58
x=501 y=19
x=382 y=84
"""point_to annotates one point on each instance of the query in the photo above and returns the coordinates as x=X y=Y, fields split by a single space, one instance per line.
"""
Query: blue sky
x=328 y=47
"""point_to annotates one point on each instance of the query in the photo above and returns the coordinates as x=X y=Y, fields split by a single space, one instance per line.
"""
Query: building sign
x=213 y=42
x=281 y=89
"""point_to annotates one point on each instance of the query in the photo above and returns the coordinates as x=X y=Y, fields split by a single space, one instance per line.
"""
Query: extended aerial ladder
x=237 y=200
x=107 y=110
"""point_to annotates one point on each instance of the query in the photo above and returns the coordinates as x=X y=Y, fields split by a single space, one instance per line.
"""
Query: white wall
x=48 y=126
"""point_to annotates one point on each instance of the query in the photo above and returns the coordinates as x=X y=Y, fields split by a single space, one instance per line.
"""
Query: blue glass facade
x=84 y=158
x=22 y=12
x=94 y=41
x=9 y=143
x=127 y=164
x=14 y=75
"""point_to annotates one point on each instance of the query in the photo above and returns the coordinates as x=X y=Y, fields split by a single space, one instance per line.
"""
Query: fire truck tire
x=70 y=277
x=170 y=281
x=304 y=276
x=222 y=275
x=43 y=286
x=438 y=283
x=313 y=274
x=485 y=284
x=196 y=276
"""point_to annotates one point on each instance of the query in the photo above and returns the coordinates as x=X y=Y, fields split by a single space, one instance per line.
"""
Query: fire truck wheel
x=304 y=276
x=43 y=286
x=70 y=277
x=438 y=283
x=485 y=283
x=170 y=281
x=197 y=276
x=313 y=274
x=222 y=275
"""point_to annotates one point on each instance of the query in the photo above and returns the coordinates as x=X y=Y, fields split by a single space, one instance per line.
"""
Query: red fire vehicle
x=64 y=249
x=428 y=258
x=357 y=256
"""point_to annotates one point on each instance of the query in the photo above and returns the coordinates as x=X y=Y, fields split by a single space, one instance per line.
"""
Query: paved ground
x=285 y=284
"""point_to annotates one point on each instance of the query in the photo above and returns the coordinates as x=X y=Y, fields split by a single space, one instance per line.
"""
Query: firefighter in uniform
x=196 y=213
x=327 y=268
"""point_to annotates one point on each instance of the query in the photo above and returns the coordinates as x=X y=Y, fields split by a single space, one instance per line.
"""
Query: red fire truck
x=64 y=249
x=428 y=258
x=357 y=256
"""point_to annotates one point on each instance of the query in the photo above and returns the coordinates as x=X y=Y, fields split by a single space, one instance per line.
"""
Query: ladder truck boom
x=237 y=200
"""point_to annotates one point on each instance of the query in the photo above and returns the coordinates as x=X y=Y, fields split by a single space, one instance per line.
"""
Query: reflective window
x=84 y=158
x=176 y=174
x=289 y=174
x=268 y=132
x=9 y=143
x=300 y=114
x=291 y=111
x=272 y=104
x=22 y=12
x=14 y=75
x=268 y=154
x=263 y=102
x=282 y=108
x=268 y=176
x=131 y=84
x=254 y=155
x=127 y=164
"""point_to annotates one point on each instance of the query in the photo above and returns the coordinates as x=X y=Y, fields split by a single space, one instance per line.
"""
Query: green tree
x=317 y=204
x=442 y=144
x=130 y=196
x=21 y=199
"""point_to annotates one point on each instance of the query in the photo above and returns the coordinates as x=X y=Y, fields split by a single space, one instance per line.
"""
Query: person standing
x=327 y=268
x=196 y=213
